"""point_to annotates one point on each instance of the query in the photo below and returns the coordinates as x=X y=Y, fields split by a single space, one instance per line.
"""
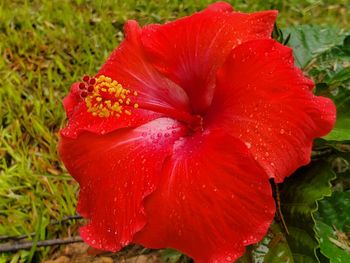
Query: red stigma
x=83 y=94
x=90 y=88
x=92 y=81
x=86 y=78
x=81 y=85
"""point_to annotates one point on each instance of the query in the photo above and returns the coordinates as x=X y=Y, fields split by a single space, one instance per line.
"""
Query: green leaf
x=332 y=224
x=173 y=256
x=332 y=70
x=308 y=41
x=328 y=248
x=278 y=248
x=325 y=54
x=299 y=197
x=272 y=249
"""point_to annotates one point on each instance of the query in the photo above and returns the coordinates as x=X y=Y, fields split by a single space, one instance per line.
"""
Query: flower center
x=105 y=97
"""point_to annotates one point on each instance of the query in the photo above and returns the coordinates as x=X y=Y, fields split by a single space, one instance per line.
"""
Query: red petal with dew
x=128 y=66
x=264 y=100
x=213 y=200
x=116 y=172
x=191 y=49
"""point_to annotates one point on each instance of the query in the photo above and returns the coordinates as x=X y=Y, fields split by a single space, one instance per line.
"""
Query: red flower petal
x=128 y=66
x=116 y=172
x=263 y=99
x=213 y=200
x=191 y=49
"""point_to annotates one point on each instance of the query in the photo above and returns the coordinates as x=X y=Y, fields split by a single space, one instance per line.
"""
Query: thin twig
x=52 y=222
x=16 y=238
x=44 y=243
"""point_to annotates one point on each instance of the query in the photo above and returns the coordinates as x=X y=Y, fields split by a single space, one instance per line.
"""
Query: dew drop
x=249 y=145
x=229 y=259
x=282 y=131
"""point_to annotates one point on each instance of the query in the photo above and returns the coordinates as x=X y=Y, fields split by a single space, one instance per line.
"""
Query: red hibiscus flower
x=174 y=140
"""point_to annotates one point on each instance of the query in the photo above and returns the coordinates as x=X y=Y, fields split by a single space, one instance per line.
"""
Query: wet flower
x=174 y=140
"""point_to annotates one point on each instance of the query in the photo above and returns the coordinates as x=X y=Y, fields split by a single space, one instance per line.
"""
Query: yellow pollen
x=109 y=98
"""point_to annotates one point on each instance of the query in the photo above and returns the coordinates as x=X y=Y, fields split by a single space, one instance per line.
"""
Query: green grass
x=47 y=45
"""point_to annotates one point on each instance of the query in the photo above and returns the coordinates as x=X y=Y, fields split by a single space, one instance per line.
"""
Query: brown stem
x=279 y=211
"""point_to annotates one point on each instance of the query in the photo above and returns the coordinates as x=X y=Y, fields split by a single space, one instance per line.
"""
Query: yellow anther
x=101 y=78
x=109 y=98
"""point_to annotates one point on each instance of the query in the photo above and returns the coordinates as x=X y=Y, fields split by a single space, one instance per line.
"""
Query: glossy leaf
x=308 y=41
x=332 y=226
x=299 y=196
